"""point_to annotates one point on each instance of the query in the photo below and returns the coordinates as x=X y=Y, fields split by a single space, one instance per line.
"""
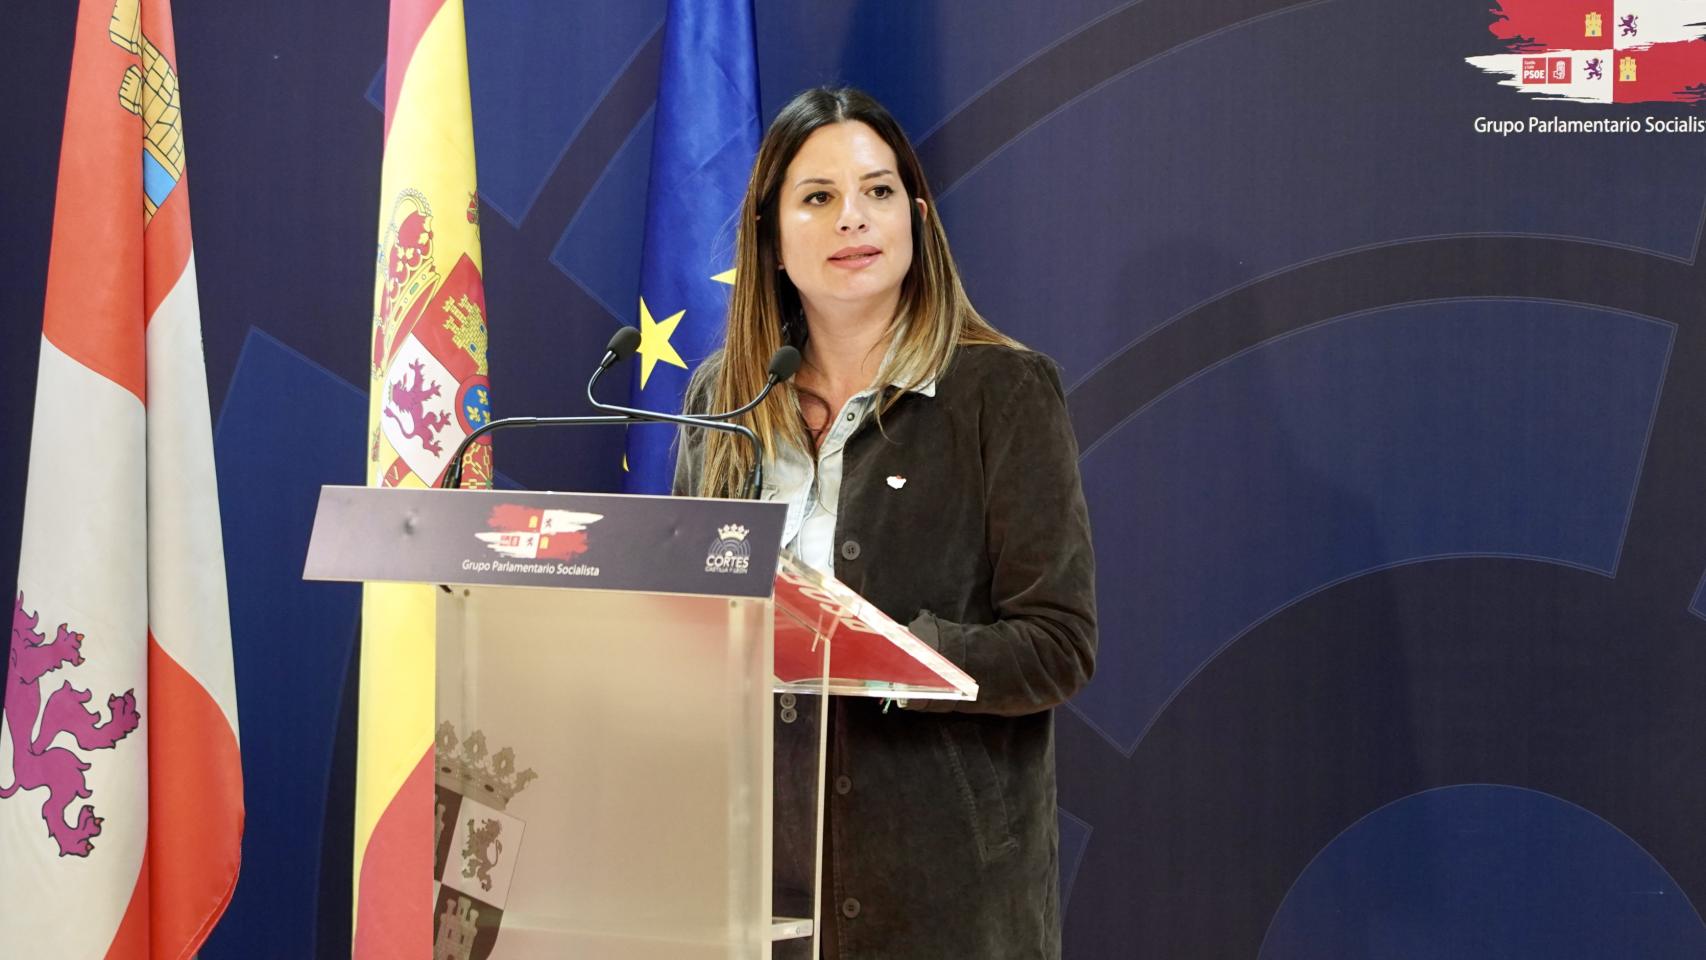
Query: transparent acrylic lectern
x=604 y=675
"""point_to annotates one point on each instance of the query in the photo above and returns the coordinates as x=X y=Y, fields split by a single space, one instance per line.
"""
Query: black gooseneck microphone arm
x=453 y=476
x=620 y=346
x=707 y=423
x=784 y=363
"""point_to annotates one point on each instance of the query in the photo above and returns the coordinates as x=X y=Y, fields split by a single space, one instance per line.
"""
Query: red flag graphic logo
x=1631 y=51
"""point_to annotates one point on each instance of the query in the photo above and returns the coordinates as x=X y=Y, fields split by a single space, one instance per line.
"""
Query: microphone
x=784 y=363
x=621 y=347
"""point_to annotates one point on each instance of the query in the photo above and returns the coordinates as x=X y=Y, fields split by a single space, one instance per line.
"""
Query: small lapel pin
x=897 y=481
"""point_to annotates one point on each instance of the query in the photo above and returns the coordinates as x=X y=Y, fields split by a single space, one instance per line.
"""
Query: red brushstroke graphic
x=1674 y=72
x=1533 y=26
x=514 y=517
x=1638 y=51
x=562 y=546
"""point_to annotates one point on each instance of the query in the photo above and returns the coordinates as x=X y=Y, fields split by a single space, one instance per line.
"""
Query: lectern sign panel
x=574 y=540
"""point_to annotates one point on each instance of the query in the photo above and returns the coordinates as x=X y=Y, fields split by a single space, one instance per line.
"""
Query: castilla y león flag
x=121 y=793
x=428 y=392
x=1598 y=51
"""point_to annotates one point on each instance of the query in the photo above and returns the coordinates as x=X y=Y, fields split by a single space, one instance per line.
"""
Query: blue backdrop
x=1393 y=432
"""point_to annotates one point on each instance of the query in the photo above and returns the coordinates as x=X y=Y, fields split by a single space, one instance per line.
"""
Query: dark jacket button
x=789 y=700
x=850 y=908
x=844 y=785
x=789 y=714
x=850 y=550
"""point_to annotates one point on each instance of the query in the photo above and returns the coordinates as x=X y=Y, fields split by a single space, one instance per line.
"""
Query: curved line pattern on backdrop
x=1071 y=68
x=1414 y=677
x=1484 y=870
x=1477 y=427
x=1433 y=269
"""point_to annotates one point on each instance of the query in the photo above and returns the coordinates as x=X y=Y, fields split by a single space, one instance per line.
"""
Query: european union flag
x=704 y=139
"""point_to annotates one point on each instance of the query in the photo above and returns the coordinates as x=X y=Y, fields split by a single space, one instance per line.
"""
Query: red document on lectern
x=870 y=655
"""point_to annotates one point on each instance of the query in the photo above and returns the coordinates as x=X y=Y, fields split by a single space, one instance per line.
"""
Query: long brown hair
x=932 y=320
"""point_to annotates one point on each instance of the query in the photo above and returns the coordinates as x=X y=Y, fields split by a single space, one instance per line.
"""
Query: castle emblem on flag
x=36 y=761
x=150 y=92
x=456 y=930
x=467 y=325
x=475 y=841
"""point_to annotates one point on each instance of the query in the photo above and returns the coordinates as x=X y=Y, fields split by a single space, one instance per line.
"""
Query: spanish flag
x=428 y=391
x=121 y=789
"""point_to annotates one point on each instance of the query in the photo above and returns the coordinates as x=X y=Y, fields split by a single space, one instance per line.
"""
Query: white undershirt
x=813 y=490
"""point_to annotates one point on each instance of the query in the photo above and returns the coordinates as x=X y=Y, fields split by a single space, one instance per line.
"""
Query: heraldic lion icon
x=36 y=763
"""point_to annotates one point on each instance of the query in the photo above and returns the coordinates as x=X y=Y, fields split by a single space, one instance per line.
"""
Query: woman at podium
x=927 y=462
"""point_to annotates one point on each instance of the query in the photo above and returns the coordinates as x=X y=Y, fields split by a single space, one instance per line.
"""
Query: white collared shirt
x=812 y=490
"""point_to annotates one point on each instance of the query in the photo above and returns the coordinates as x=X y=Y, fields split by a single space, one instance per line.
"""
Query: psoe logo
x=1598 y=51
x=729 y=553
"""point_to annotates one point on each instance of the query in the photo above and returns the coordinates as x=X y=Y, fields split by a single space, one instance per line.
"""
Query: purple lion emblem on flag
x=37 y=763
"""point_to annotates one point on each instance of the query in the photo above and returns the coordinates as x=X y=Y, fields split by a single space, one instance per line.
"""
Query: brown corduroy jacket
x=942 y=834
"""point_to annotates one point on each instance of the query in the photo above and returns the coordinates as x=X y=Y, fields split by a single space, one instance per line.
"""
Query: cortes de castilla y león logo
x=729 y=553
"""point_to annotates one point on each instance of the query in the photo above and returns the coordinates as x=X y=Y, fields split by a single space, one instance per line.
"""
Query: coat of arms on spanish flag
x=428 y=391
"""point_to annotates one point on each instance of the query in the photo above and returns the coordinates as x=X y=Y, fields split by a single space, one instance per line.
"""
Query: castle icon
x=1595 y=25
x=457 y=927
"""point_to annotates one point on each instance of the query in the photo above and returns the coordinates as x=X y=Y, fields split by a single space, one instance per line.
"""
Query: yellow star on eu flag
x=654 y=341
